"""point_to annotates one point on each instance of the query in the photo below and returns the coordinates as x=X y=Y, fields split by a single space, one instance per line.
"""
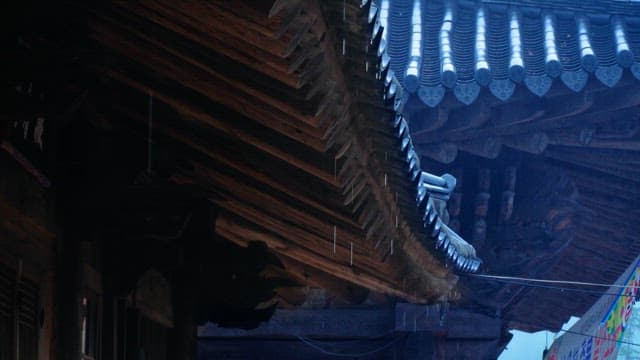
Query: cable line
x=548 y=281
x=560 y=288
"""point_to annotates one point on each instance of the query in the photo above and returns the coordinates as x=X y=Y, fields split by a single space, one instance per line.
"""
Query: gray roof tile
x=434 y=46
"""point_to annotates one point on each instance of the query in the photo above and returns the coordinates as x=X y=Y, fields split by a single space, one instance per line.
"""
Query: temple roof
x=489 y=88
x=431 y=48
x=252 y=98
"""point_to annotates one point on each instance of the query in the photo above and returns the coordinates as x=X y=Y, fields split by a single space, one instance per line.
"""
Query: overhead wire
x=549 y=281
x=531 y=282
x=560 y=288
x=522 y=281
x=599 y=337
x=360 y=354
x=315 y=344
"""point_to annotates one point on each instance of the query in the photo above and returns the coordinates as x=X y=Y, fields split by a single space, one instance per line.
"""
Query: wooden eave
x=289 y=150
x=592 y=134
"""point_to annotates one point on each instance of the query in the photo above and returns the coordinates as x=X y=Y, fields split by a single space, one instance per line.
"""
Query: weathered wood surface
x=275 y=112
x=216 y=71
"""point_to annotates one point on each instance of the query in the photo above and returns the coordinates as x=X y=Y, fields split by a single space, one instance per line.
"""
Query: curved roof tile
x=429 y=46
x=461 y=46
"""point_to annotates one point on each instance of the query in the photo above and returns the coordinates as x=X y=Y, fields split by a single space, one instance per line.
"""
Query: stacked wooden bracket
x=279 y=129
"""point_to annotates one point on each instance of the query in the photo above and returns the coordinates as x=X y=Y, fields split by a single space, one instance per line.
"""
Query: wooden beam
x=230 y=18
x=614 y=162
x=191 y=112
x=533 y=143
x=240 y=234
x=445 y=153
x=23 y=237
x=421 y=263
x=230 y=45
x=273 y=183
x=473 y=116
x=275 y=208
x=263 y=108
x=578 y=136
x=309 y=276
x=485 y=147
x=206 y=80
x=555 y=113
x=427 y=120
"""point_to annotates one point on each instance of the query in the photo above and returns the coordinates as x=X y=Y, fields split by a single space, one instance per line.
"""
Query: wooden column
x=439 y=346
x=481 y=208
x=182 y=337
x=45 y=334
x=533 y=143
x=68 y=295
x=508 y=195
x=419 y=345
x=488 y=147
x=443 y=152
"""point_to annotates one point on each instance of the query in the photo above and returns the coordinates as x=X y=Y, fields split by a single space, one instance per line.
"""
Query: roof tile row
x=431 y=46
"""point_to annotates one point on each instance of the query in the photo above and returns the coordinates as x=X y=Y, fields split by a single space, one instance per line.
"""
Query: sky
x=525 y=346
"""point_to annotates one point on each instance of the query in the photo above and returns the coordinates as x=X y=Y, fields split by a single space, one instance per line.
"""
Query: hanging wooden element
x=534 y=143
x=444 y=152
x=489 y=147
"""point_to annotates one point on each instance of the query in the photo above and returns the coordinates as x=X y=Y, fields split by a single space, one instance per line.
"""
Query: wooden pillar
x=439 y=347
x=489 y=147
x=443 y=152
x=419 y=345
x=68 y=300
x=16 y=313
x=132 y=346
x=481 y=208
x=508 y=195
x=534 y=143
x=183 y=335
x=45 y=334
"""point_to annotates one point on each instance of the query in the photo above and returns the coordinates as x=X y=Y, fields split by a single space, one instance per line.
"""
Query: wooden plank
x=22 y=237
x=274 y=207
x=445 y=153
x=204 y=79
x=207 y=118
x=214 y=18
x=555 y=113
x=422 y=264
x=614 y=162
x=338 y=290
x=227 y=44
x=489 y=147
x=418 y=257
x=533 y=143
x=274 y=184
x=242 y=233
